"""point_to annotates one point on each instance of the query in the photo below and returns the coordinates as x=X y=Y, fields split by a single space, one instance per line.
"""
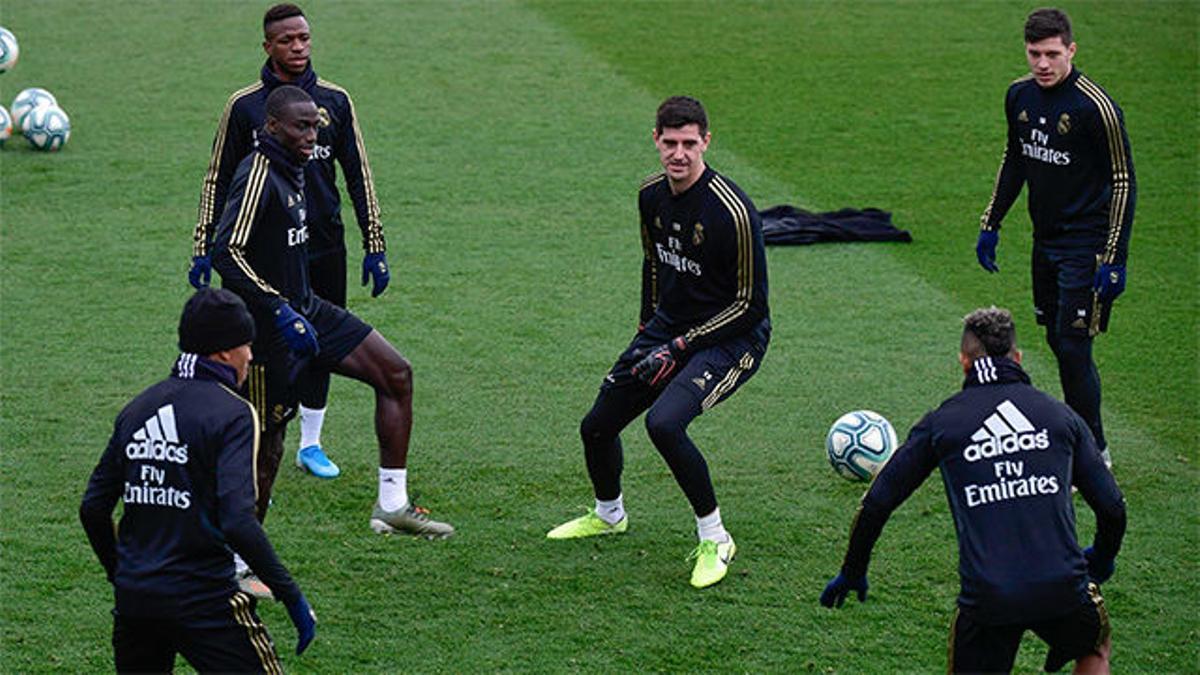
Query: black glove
x=1099 y=569
x=305 y=621
x=375 y=266
x=656 y=367
x=298 y=333
x=836 y=591
x=200 y=273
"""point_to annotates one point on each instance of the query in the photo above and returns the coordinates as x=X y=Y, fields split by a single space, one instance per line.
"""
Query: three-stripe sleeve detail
x=257 y=429
x=374 y=239
x=1121 y=179
x=745 y=261
x=208 y=194
x=244 y=225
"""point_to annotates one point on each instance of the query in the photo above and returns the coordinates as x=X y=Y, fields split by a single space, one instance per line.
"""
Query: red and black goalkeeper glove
x=657 y=367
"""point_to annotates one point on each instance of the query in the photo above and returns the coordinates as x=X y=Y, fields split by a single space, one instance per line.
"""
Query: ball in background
x=859 y=443
x=27 y=100
x=6 y=125
x=47 y=127
x=9 y=51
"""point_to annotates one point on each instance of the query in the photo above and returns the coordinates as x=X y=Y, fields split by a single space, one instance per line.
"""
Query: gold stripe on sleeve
x=1119 y=160
x=255 y=182
x=745 y=261
x=375 y=242
x=208 y=193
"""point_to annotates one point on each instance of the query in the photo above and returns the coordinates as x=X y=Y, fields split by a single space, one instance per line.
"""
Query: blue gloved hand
x=305 y=621
x=1099 y=569
x=836 y=591
x=985 y=249
x=1110 y=282
x=298 y=333
x=656 y=367
x=200 y=273
x=375 y=266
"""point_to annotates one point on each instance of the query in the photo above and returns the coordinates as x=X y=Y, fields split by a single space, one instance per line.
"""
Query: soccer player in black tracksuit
x=1008 y=455
x=260 y=252
x=338 y=138
x=1066 y=139
x=181 y=460
x=704 y=328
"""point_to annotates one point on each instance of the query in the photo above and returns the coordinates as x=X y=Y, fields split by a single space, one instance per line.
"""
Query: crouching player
x=181 y=458
x=1008 y=455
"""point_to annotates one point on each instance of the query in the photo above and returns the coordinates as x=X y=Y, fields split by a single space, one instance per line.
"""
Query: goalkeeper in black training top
x=1066 y=139
x=1008 y=455
x=703 y=332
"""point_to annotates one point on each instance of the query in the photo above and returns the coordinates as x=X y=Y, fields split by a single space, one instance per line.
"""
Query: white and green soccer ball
x=27 y=100
x=47 y=128
x=859 y=443
x=5 y=125
x=8 y=50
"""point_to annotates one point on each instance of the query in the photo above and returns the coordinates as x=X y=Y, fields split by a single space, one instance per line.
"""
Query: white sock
x=709 y=527
x=393 y=489
x=239 y=566
x=611 y=512
x=311 y=421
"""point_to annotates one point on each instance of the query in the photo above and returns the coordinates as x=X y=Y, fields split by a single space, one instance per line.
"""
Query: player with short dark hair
x=287 y=43
x=261 y=253
x=703 y=331
x=1067 y=141
x=181 y=461
x=1008 y=455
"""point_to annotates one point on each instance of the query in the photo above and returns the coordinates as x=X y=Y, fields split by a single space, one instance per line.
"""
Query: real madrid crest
x=1064 y=123
x=697 y=235
x=323 y=114
x=1023 y=117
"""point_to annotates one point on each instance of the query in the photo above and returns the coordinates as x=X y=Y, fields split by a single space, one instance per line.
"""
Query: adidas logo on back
x=158 y=439
x=1005 y=431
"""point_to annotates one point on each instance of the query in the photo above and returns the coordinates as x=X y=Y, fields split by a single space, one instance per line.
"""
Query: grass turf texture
x=507 y=141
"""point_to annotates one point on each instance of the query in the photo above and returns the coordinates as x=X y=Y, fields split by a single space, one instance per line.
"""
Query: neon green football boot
x=712 y=561
x=589 y=525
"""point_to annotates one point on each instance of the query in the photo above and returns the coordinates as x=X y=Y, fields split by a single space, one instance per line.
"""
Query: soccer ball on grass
x=5 y=125
x=859 y=443
x=28 y=99
x=47 y=127
x=8 y=50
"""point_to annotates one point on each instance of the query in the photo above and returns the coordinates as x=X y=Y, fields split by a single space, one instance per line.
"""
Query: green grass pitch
x=507 y=140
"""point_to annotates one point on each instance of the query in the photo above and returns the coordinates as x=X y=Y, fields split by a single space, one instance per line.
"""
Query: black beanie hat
x=214 y=320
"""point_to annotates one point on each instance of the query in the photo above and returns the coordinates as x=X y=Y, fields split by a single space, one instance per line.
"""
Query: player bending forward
x=1008 y=454
x=704 y=330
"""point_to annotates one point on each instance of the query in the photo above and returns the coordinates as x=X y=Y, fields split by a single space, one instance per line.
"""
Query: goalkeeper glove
x=836 y=590
x=298 y=333
x=985 y=249
x=375 y=266
x=656 y=367
x=200 y=273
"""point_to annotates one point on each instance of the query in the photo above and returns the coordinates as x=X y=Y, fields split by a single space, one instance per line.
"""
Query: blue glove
x=298 y=333
x=656 y=367
x=985 y=249
x=1110 y=282
x=200 y=273
x=836 y=591
x=375 y=267
x=1099 y=569
x=305 y=621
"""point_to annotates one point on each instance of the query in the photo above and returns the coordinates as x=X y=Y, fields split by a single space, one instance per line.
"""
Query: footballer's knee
x=663 y=428
x=397 y=375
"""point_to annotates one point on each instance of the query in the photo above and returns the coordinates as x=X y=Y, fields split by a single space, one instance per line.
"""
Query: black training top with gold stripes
x=339 y=139
x=260 y=249
x=705 y=270
x=1068 y=142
